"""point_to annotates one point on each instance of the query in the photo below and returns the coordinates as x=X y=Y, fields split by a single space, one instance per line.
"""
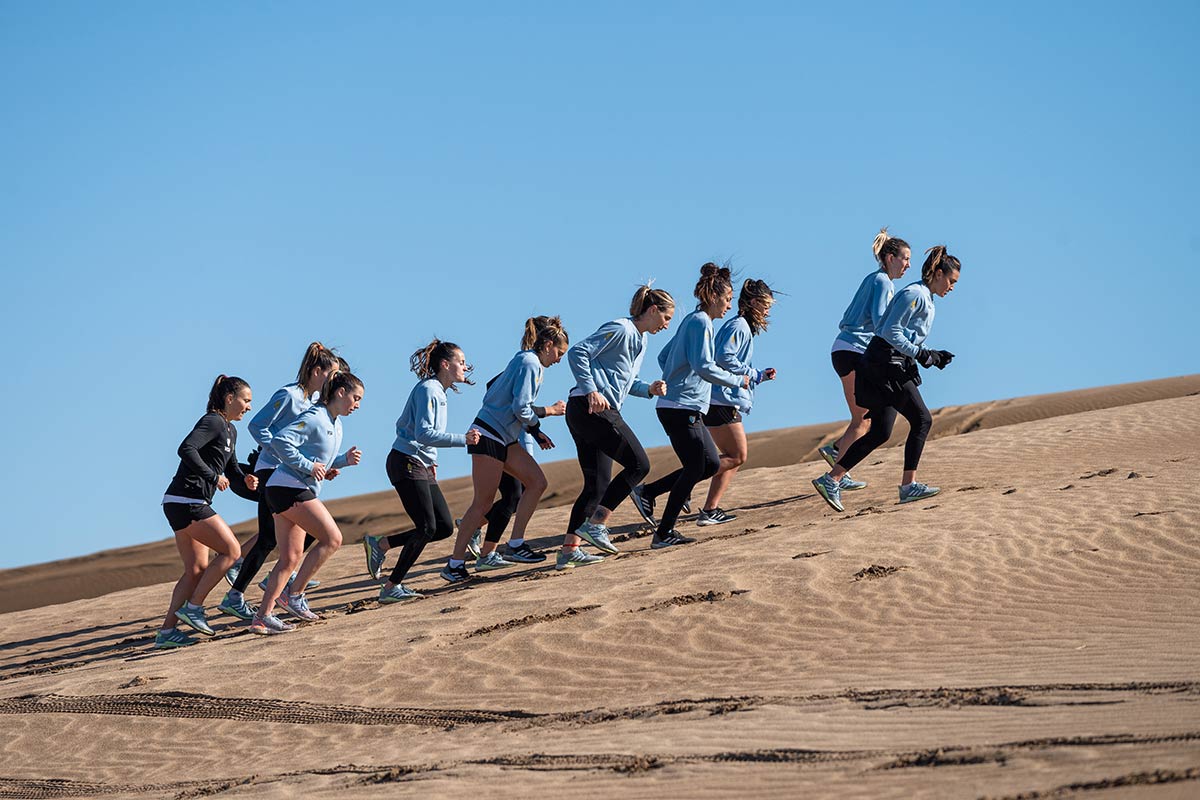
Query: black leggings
x=697 y=454
x=909 y=404
x=425 y=506
x=601 y=439
x=503 y=509
x=253 y=559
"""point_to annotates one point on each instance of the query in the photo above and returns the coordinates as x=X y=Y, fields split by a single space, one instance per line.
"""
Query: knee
x=638 y=471
x=192 y=574
x=335 y=539
x=736 y=460
x=235 y=552
x=924 y=423
x=442 y=530
x=711 y=467
x=537 y=485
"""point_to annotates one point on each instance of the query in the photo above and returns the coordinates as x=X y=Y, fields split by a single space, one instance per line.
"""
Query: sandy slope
x=381 y=512
x=1033 y=629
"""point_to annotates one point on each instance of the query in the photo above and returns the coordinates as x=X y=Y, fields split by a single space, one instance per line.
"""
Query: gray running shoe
x=194 y=618
x=524 y=554
x=672 y=539
x=568 y=559
x=398 y=594
x=917 y=491
x=270 y=625
x=830 y=453
x=848 y=484
x=491 y=561
x=235 y=605
x=829 y=491
x=375 y=556
x=597 y=537
x=475 y=546
x=164 y=640
x=232 y=573
x=297 y=606
x=715 y=517
x=643 y=504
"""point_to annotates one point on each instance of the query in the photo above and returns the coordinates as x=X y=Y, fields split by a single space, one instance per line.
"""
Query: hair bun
x=710 y=269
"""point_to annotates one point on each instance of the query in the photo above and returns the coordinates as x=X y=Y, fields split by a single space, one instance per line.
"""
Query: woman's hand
x=331 y=474
x=222 y=483
x=252 y=482
x=544 y=441
x=597 y=403
x=658 y=388
x=557 y=410
x=353 y=456
x=768 y=374
x=318 y=471
x=473 y=436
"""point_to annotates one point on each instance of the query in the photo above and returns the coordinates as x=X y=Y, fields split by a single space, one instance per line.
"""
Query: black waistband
x=481 y=424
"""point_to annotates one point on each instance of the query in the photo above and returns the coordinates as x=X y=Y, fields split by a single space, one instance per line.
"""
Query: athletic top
x=688 y=361
x=508 y=403
x=862 y=316
x=908 y=319
x=421 y=428
x=279 y=412
x=205 y=454
x=313 y=436
x=608 y=362
x=734 y=348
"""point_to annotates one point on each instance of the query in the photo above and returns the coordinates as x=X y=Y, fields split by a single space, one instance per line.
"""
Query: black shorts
x=403 y=467
x=845 y=361
x=489 y=447
x=721 y=415
x=180 y=515
x=281 y=498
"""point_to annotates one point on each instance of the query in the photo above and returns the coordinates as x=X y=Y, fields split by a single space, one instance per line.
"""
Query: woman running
x=282 y=409
x=735 y=349
x=606 y=366
x=689 y=365
x=207 y=464
x=858 y=325
x=412 y=464
x=887 y=378
x=508 y=410
x=308 y=451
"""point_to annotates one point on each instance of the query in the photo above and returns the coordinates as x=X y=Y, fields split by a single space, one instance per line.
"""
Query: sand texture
x=1032 y=632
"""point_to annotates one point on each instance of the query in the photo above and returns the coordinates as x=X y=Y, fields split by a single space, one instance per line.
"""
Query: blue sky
x=196 y=189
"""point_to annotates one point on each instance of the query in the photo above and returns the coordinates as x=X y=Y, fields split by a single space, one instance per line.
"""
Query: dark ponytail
x=316 y=357
x=222 y=387
x=754 y=302
x=714 y=282
x=338 y=380
x=938 y=260
x=541 y=330
x=428 y=360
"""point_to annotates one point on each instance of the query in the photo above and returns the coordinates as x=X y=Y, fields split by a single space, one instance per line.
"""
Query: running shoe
x=524 y=554
x=194 y=618
x=686 y=508
x=475 y=546
x=297 y=606
x=597 y=537
x=397 y=594
x=830 y=453
x=270 y=625
x=848 y=484
x=829 y=491
x=455 y=574
x=232 y=573
x=375 y=556
x=491 y=561
x=235 y=605
x=287 y=587
x=643 y=504
x=916 y=491
x=672 y=539
x=568 y=559
x=715 y=517
x=164 y=640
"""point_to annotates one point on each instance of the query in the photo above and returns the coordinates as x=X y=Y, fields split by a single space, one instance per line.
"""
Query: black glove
x=929 y=358
x=947 y=357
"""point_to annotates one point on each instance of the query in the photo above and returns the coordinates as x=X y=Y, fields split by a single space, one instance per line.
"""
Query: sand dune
x=381 y=513
x=1033 y=631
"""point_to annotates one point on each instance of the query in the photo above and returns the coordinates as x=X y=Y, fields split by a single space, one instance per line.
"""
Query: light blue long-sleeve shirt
x=689 y=364
x=421 y=428
x=280 y=411
x=908 y=319
x=508 y=403
x=608 y=362
x=862 y=317
x=734 y=348
x=314 y=436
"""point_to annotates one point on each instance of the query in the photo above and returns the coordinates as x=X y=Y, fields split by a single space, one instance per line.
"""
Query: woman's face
x=551 y=354
x=660 y=318
x=897 y=265
x=236 y=405
x=943 y=282
x=346 y=400
x=456 y=367
x=723 y=304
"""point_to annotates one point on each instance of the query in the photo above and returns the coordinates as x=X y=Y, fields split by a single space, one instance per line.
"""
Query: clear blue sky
x=191 y=189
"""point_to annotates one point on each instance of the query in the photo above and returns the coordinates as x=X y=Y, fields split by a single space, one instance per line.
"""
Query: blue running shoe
x=569 y=559
x=828 y=489
x=397 y=594
x=455 y=574
x=375 y=556
x=173 y=638
x=194 y=618
x=830 y=453
x=916 y=491
x=235 y=605
x=848 y=484
x=491 y=561
x=597 y=537
x=232 y=573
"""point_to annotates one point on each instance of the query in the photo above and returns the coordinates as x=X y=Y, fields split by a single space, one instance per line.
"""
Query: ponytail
x=338 y=380
x=540 y=330
x=428 y=360
x=222 y=387
x=938 y=260
x=885 y=246
x=316 y=357
x=645 y=297
x=714 y=282
x=754 y=304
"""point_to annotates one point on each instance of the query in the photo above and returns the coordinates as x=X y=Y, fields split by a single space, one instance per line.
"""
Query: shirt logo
x=301 y=424
x=278 y=404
